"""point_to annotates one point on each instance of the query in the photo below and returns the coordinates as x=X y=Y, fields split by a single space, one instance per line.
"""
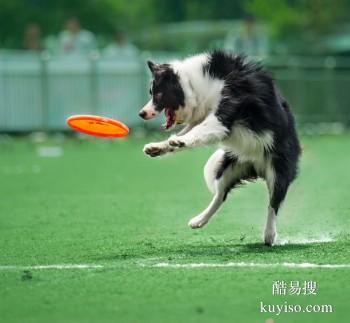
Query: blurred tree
x=98 y=16
x=182 y=10
x=104 y=16
x=214 y=10
x=291 y=20
x=299 y=22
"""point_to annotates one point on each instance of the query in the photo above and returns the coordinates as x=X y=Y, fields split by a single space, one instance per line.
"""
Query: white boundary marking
x=56 y=266
x=304 y=241
x=179 y=266
x=249 y=265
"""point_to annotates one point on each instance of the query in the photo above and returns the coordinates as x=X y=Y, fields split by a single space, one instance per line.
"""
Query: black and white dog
x=222 y=98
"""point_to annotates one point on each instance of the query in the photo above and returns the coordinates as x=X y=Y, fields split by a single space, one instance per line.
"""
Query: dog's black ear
x=152 y=66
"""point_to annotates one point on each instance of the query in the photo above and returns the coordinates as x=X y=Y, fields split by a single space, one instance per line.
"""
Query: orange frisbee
x=97 y=126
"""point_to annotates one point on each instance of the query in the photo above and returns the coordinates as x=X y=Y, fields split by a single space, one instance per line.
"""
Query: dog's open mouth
x=170 y=118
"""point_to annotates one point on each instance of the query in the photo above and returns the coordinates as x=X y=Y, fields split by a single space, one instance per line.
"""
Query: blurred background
x=63 y=57
x=73 y=200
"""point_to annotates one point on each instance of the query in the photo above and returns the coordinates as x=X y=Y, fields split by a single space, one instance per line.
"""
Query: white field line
x=179 y=266
x=55 y=266
x=249 y=265
x=294 y=240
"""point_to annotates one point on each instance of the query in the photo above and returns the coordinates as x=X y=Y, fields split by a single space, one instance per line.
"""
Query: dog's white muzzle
x=148 y=111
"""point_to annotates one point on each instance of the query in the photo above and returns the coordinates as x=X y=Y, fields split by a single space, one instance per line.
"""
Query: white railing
x=38 y=92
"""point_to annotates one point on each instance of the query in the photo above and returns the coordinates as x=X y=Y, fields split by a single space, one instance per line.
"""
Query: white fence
x=39 y=93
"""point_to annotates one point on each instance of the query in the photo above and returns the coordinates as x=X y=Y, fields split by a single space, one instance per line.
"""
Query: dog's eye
x=150 y=91
x=158 y=96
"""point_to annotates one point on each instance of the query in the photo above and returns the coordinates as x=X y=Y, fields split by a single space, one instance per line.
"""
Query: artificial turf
x=104 y=202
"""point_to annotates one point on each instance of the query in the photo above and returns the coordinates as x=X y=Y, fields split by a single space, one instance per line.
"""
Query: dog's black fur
x=165 y=89
x=246 y=100
x=250 y=97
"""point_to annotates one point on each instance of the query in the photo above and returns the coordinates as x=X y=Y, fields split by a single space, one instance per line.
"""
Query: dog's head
x=166 y=95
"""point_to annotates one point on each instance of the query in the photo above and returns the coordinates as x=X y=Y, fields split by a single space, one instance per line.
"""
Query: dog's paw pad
x=197 y=222
x=176 y=143
x=153 y=150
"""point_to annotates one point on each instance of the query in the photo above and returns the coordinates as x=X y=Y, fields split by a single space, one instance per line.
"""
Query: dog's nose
x=143 y=114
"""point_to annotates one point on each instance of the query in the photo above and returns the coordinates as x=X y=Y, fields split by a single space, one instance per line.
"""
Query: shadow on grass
x=259 y=247
x=222 y=251
x=241 y=249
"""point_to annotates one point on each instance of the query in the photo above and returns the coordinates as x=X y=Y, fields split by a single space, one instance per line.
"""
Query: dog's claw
x=176 y=143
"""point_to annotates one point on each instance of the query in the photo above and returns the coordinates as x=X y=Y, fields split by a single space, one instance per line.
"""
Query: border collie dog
x=223 y=99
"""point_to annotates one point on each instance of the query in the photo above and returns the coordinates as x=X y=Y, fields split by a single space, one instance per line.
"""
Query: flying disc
x=98 y=126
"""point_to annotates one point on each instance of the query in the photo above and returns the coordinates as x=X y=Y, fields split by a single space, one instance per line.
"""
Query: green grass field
x=104 y=203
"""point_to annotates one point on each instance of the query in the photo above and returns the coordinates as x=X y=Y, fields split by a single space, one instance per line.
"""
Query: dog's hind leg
x=221 y=173
x=201 y=219
x=210 y=173
x=277 y=184
x=211 y=168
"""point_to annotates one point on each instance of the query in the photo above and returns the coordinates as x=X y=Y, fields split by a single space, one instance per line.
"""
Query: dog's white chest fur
x=247 y=145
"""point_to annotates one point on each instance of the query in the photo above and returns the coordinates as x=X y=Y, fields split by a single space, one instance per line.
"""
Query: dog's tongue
x=170 y=119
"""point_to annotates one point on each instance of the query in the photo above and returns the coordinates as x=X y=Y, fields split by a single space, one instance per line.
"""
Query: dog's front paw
x=176 y=142
x=154 y=150
x=197 y=222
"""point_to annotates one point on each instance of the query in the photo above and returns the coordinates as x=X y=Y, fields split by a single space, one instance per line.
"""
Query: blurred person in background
x=32 y=37
x=250 y=39
x=74 y=40
x=120 y=46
